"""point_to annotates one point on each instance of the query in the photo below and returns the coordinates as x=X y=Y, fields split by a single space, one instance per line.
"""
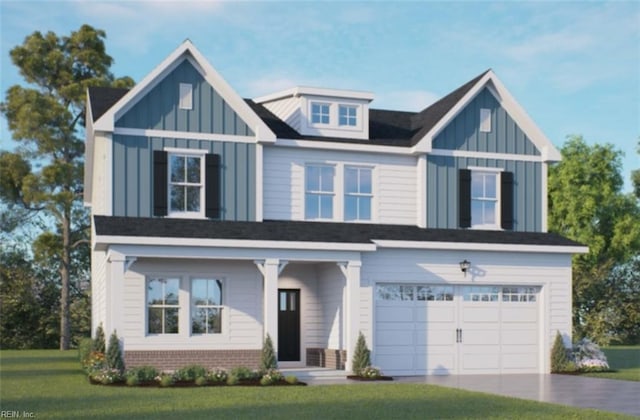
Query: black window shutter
x=506 y=200
x=464 y=197
x=160 y=183
x=212 y=186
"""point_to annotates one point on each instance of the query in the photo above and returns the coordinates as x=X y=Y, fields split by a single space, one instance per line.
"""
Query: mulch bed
x=182 y=384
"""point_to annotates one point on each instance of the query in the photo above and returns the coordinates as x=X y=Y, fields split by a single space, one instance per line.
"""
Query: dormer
x=322 y=112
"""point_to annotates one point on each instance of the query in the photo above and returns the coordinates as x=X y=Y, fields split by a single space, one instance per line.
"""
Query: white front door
x=442 y=329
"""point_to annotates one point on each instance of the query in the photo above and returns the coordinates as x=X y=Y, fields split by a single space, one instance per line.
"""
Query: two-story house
x=310 y=216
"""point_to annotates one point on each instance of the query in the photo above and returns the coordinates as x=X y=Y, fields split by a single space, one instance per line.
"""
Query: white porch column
x=352 y=310
x=270 y=269
x=115 y=293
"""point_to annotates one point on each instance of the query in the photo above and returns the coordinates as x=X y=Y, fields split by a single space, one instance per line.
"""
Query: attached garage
x=457 y=329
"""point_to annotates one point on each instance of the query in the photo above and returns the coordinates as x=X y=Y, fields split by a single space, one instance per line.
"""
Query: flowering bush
x=106 y=376
x=190 y=373
x=95 y=361
x=370 y=372
x=271 y=377
x=588 y=357
x=165 y=379
x=218 y=376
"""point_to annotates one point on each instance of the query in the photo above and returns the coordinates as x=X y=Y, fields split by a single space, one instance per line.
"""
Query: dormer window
x=347 y=115
x=320 y=113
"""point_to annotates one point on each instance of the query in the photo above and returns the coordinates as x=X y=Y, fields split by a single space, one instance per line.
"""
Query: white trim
x=472 y=246
x=259 y=182
x=187 y=135
x=485 y=155
x=182 y=151
x=108 y=183
x=195 y=153
x=485 y=169
x=186 y=51
x=354 y=147
x=314 y=91
x=545 y=199
x=233 y=243
x=421 y=193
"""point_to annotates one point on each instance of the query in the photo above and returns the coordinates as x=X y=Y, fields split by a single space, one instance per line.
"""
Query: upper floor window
x=485 y=120
x=186 y=96
x=320 y=113
x=484 y=198
x=206 y=306
x=319 y=192
x=163 y=305
x=358 y=193
x=186 y=189
x=347 y=115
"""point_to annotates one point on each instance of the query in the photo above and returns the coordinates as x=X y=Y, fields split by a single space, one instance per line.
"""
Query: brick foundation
x=168 y=360
x=329 y=358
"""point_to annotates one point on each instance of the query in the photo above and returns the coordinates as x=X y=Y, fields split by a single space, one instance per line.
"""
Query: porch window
x=206 y=306
x=163 y=305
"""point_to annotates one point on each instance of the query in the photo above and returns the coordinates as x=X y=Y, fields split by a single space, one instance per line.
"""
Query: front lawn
x=50 y=384
x=624 y=360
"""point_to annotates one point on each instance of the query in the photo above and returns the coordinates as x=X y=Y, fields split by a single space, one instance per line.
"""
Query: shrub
x=142 y=374
x=291 y=379
x=84 y=350
x=588 y=356
x=218 y=376
x=559 y=357
x=98 y=343
x=268 y=358
x=233 y=380
x=361 y=356
x=190 y=373
x=242 y=372
x=106 y=376
x=132 y=380
x=271 y=377
x=200 y=381
x=96 y=361
x=165 y=380
x=114 y=356
x=371 y=372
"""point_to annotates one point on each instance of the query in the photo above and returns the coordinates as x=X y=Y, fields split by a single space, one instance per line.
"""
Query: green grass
x=624 y=360
x=50 y=384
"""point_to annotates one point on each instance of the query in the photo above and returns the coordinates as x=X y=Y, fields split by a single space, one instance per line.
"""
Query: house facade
x=311 y=216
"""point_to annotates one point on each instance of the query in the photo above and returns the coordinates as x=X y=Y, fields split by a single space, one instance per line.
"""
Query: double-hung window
x=186 y=186
x=163 y=305
x=319 y=192
x=320 y=113
x=358 y=193
x=347 y=115
x=206 y=306
x=484 y=198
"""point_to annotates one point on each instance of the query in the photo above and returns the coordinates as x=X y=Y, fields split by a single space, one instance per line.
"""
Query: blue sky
x=573 y=66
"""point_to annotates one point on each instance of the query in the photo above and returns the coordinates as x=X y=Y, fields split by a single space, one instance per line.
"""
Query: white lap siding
x=394 y=190
x=242 y=305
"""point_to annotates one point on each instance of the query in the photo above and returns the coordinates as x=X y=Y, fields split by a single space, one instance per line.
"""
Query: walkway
x=572 y=390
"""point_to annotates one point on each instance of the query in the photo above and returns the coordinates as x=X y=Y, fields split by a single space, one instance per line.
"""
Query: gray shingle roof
x=301 y=231
x=386 y=127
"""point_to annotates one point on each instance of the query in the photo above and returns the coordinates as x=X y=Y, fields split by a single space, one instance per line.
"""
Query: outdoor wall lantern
x=464 y=266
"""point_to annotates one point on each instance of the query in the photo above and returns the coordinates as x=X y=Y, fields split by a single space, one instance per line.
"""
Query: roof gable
x=186 y=51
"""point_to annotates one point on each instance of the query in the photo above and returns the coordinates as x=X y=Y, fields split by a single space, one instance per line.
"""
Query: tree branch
x=80 y=242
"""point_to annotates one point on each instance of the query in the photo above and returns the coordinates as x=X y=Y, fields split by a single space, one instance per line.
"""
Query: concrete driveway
x=572 y=390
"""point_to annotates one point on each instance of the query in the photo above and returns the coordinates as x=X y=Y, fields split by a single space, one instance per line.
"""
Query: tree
x=587 y=205
x=361 y=355
x=635 y=177
x=46 y=119
x=268 y=359
x=114 y=355
x=559 y=358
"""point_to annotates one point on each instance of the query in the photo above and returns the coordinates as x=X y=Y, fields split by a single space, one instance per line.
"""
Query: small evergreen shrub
x=268 y=358
x=85 y=346
x=242 y=372
x=98 y=343
x=361 y=356
x=201 y=381
x=142 y=374
x=165 y=380
x=559 y=355
x=291 y=379
x=271 y=377
x=114 y=356
x=233 y=380
x=190 y=373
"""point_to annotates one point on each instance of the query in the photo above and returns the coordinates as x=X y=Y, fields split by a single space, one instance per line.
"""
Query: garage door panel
x=480 y=314
x=517 y=313
x=395 y=337
x=394 y=326
x=436 y=312
x=474 y=360
x=439 y=364
x=529 y=337
x=520 y=361
x=480 y=336
x=395 y=362
x=395 y=350
x=395 y=313
x=435 y=337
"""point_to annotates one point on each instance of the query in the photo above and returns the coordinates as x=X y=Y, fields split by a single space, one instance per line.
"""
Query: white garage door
x=440 y=329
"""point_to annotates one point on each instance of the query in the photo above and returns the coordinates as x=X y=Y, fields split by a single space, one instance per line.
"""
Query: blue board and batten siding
x=158 y=109
x=133 y=175
x=463 y=134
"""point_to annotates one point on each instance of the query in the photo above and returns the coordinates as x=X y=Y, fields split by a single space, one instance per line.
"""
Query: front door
x=288 y=325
